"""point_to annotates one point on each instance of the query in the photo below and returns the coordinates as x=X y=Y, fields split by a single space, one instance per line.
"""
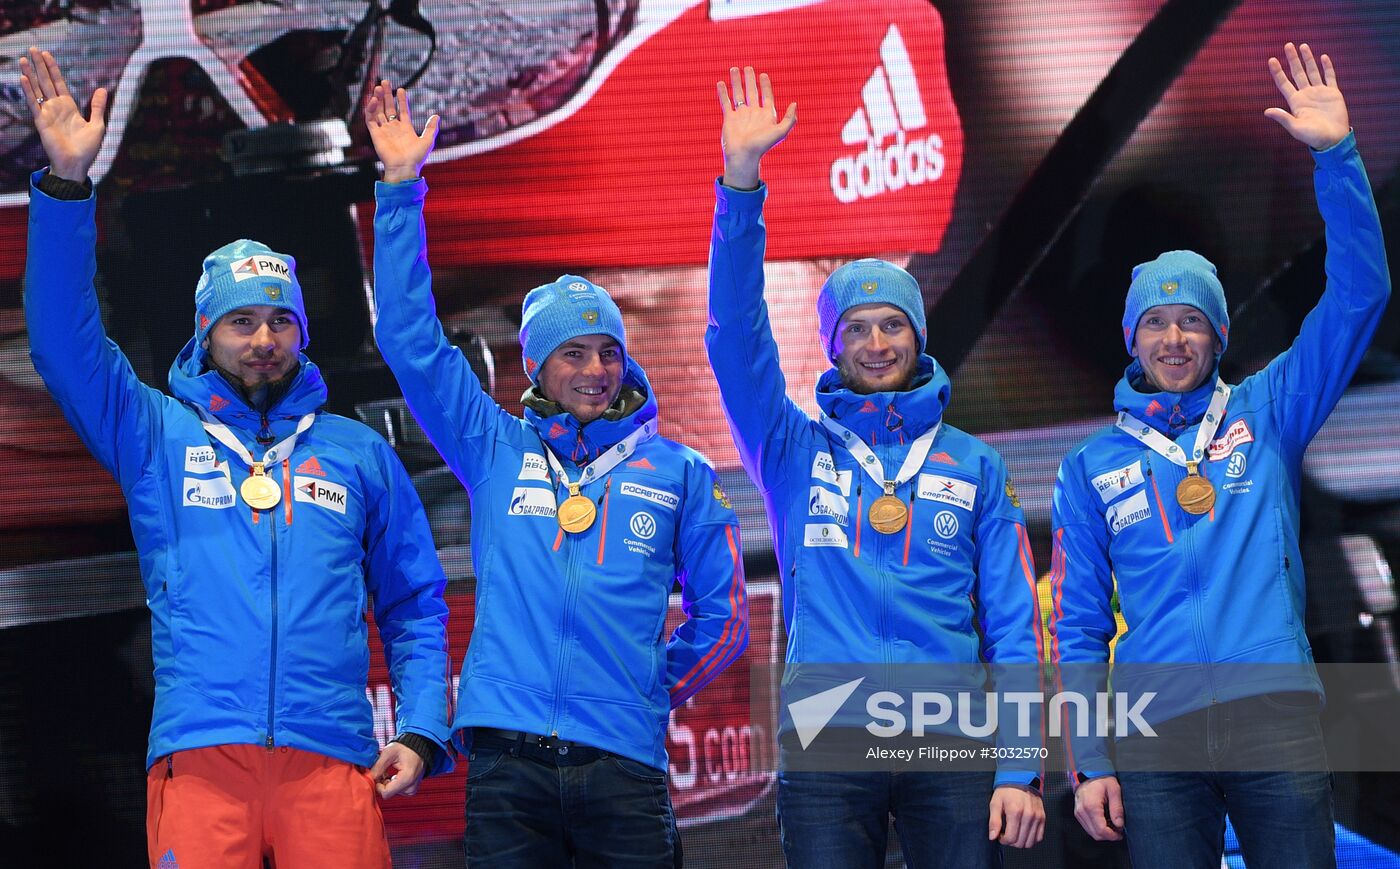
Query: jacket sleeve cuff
x=1339 y=153
x=1022 y=778
x=729 y=199
x=400 y=193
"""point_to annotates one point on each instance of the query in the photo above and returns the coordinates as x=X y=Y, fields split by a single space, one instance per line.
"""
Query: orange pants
x=229 y=806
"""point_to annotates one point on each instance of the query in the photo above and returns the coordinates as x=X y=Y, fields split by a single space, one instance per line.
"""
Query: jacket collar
x=1170 y=413
x=194 y=383
x=888 y=417
x=581 y=443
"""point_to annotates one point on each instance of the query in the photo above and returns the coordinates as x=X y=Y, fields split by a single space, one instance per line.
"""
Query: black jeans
x=533 y=803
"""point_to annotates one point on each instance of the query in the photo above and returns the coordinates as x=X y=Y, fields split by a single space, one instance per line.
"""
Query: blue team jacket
x=1224 y=589
x=258 y=626
x=957 y=586
x=569 y=636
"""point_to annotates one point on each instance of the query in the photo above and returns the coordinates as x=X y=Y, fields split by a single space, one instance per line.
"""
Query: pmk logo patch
x=262 y=266
x=329 y=495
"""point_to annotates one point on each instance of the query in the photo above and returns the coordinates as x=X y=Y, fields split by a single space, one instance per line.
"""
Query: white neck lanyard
x=281 y=450
x=1159 y=443
x=918 y=452
x=600 y=466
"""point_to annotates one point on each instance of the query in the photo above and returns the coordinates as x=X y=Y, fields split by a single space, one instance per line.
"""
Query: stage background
x=1027 y=158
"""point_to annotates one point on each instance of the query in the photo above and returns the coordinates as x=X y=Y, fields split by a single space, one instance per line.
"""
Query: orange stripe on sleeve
x=738 y=597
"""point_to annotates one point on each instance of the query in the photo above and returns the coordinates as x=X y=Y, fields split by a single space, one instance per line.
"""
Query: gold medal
x=260 y=491
x=577 y=512
x=1195 y=494
x=888 y=514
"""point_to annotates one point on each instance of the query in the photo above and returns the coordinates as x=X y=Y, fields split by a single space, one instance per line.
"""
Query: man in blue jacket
x=1191 y=501
x=899 y=538
x=264 y=528
x=583 y=519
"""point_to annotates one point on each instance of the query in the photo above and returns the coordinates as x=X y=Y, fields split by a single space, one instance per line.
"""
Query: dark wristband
x=61 y=188
x=421 y=745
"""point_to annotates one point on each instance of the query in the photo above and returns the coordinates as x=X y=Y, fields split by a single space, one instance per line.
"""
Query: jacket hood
x=194 y=383
x=580 y=443
x=1168 y=412
x=880 y=417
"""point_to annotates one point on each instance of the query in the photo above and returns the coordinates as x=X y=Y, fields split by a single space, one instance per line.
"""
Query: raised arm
x=739 y=338
x=70 y=141
x=1312 y=374
x=101 y=396
x=443 y=392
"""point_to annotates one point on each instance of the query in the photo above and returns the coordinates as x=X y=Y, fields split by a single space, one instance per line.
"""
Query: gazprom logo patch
x=531 y=501
x=1129 y=511
x=215 y=493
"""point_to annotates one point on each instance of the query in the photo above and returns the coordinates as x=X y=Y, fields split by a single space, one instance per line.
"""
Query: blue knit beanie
x=569 y=307
x=867 y=282
x=244 y=273
x=1177 y=277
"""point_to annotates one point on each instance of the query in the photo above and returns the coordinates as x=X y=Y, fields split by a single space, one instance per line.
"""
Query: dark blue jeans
x=840 y=820
x=534 y=807
x=1260 y=760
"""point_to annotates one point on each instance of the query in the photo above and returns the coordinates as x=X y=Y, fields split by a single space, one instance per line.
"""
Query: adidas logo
x=217 y=403
x=943 y=458
x=312 y=467
x=642 y=463
x=557 y=431
x=168 y=861
x=892 y=106
x=869 y=407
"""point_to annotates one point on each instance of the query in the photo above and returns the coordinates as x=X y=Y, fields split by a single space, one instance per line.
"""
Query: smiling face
x=1176 y=346
x=256 y=344
x=584 y=375
x=876 y=349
